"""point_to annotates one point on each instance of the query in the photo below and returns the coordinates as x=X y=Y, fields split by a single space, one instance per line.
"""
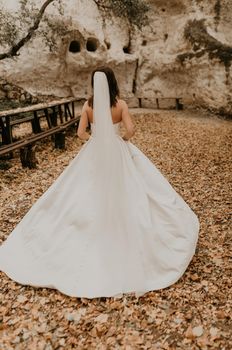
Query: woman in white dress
x=111 y=223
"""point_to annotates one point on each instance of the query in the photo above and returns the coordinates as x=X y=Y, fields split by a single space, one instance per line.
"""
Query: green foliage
x=217 y=10
x=15 y=26
x=135 y=11
x=12 y=25
x=202 y=42
x=9 y=28
x=54 y=28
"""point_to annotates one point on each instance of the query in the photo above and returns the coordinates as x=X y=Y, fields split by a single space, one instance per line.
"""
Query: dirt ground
x=193 y=150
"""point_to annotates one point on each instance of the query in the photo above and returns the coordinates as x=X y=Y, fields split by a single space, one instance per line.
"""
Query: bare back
x=116 y=112
x=119 y=113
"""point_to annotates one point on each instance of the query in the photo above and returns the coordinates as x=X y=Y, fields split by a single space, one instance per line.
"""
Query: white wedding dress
x=110 y=223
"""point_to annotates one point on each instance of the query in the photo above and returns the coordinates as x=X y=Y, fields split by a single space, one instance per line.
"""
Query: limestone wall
x=186 y=50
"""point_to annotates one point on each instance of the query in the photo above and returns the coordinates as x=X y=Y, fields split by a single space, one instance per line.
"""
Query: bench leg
x=60 y=140
x=60 y=114
x=35 y=124
x=179 y=106
x=27 y=156
x=23 y=156
x=54 y=117
x=7 y=136
x=4 y=132
x=157 y=103
x=73 y=110
x=48 y=118
x=8 y=130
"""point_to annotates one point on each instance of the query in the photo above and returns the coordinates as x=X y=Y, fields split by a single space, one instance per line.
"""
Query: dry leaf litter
x=193 y=151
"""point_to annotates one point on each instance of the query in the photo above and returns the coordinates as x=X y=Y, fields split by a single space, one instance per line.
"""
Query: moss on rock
x=202 y=42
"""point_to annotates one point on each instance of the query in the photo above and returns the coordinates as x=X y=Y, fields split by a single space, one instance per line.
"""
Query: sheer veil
x=101 y=109
x=106 y=151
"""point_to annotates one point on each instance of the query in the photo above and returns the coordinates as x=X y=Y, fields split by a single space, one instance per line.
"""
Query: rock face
x=185 y=51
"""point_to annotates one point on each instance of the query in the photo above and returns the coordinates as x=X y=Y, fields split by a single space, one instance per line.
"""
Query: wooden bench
x=27 y=145
x=178 y=104
x=27 y=154
x=51 y=111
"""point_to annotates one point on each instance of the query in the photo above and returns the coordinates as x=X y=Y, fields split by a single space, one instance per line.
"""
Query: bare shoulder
x=123 y=106
x=122 y=103
x=86 y=107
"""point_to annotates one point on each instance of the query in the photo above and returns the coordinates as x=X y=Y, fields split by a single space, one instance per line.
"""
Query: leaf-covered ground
x=194 y=152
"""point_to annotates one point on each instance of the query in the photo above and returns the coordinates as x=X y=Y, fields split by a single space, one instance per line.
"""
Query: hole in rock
x=144 y=42
x=165 y=36
x=126 y=49
x=91 y=44
x=108 y=45
x=74 y=46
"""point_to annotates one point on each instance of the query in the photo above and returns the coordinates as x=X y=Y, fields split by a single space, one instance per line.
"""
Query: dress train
x=102 y=236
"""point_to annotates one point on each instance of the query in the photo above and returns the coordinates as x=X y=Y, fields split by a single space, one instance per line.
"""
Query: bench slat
x=36 y=107
x=31 y=139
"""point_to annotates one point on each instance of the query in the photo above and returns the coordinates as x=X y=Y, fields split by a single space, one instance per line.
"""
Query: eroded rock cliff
x=185 y=50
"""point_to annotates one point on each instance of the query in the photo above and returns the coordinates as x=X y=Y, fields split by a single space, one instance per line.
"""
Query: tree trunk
x=15 y=48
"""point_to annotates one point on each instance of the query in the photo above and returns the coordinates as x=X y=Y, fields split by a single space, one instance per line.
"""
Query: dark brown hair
x=113 y=85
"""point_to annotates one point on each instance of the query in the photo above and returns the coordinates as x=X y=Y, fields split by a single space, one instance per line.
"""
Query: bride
x=111 y=223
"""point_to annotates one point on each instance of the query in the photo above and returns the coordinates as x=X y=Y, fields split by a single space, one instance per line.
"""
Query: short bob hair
x=113 y=85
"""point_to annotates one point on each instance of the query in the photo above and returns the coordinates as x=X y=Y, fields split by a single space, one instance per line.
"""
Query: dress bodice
x=116 y=127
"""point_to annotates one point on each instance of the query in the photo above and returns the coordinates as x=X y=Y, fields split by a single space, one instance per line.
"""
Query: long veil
x=107 y=153
x=102 y=119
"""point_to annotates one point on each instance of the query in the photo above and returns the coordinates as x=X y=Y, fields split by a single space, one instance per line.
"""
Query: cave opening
x=91 y=44
x=165 y=36
x=75 y=46
x=127 y=49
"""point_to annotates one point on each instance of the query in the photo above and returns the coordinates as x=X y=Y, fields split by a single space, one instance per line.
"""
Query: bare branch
x=15 y=48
